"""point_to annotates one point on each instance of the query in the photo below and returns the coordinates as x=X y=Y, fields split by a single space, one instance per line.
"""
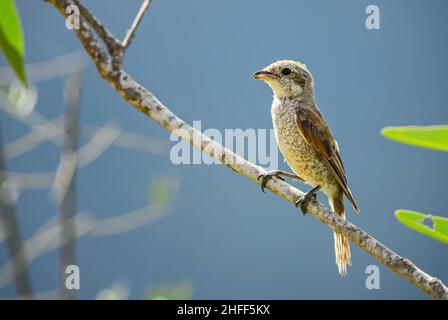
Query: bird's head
x=287 y=78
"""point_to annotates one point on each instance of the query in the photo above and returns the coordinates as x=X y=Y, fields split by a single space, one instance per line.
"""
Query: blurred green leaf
x=11 y=39
x=178 y=291
x=441 y=225
x=415 y=221
x=162 y=190
x=433 y=137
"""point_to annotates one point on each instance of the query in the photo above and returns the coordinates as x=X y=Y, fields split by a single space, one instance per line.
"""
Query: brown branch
x=143 y=100
x=65 y=179
x=11 y=232
x=112 y=44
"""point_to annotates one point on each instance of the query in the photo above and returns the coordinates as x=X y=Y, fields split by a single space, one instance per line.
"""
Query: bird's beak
x=264 y=75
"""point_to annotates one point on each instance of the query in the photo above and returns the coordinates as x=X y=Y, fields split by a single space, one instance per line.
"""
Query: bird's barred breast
x=300 y=156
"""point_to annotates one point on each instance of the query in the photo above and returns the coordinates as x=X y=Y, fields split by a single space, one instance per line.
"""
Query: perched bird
x=307 y=144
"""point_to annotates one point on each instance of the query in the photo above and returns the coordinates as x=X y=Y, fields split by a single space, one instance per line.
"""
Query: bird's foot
x=303 y=201
x=268 y=176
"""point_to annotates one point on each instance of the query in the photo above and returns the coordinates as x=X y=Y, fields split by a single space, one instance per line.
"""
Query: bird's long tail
x=341 y=244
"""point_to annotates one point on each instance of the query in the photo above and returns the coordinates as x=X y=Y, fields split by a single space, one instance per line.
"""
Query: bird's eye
x=286 y=71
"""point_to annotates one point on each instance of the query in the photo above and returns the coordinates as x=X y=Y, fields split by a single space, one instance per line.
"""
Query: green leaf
x=11 y=39
x=159 y=192
x=415 y=221
x=440 y=225
x=433 y=137
x=162 y=190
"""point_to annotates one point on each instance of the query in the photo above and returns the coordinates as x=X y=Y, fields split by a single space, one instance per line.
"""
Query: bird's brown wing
x=315 y=131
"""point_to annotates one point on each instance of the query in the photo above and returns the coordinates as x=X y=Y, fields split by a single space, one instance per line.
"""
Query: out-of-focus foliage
x=161 y=191
x=11 y=39
x=415 y=221
x=167 y=291
x=177 y=291
x=17 y=99
x=433 y=137
x=118 y=291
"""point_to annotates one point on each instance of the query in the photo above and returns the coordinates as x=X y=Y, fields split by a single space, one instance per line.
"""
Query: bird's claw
x=306 y=198
x=268 y=176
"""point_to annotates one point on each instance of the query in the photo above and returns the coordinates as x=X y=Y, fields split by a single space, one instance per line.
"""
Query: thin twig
x=134 y=141
x=142 y=99
x=100 y=141
x=50 y=238
x=138 y=18
x=47 y=69
x=38 y=134
x=11 y=233
x=43 y=129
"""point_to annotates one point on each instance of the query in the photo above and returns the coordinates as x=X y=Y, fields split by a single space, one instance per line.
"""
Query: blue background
x=222 y=234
